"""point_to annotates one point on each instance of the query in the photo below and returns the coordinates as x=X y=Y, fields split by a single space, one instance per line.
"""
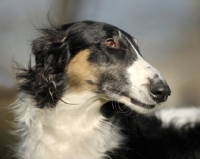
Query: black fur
x=171 y=142
x=47 y=80
x=147 y=139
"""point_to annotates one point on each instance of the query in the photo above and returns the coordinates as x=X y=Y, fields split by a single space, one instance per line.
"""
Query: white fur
x=76 y=130
x=139 y=74
x=179 y=117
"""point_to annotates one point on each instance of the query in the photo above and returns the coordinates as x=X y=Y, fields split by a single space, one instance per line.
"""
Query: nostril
x=160 y=92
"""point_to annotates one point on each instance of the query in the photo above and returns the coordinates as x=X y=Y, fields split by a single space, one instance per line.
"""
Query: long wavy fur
x=46 y=81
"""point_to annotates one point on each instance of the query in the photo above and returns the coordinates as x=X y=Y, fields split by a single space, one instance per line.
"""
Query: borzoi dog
x=71 y=101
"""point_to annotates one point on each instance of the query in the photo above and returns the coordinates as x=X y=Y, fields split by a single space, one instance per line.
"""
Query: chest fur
x=65 y=134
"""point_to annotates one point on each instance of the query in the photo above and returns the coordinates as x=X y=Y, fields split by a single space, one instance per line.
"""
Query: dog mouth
x=141 y=104
x=134 y=101
x=137 y=102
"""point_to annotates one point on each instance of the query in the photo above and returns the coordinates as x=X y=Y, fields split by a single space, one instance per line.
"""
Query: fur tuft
x=46 y=81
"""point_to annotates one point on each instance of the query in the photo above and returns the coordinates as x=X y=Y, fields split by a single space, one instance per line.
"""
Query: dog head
x=93 y=57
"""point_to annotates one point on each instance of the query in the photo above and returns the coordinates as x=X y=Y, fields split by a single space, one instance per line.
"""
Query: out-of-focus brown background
x=168 y=33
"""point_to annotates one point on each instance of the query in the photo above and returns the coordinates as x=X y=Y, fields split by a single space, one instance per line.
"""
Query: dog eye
x=112 y=44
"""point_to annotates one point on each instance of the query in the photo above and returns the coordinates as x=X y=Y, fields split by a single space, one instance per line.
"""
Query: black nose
x=160 y=92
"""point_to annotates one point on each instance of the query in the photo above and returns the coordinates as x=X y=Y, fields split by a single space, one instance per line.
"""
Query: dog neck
x=75 y=128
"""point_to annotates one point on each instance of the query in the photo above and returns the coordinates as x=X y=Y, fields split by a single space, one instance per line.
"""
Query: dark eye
x=111 y=44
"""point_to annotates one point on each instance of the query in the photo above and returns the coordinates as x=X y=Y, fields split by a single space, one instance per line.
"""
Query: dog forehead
x=91 y=34
x=92 y=31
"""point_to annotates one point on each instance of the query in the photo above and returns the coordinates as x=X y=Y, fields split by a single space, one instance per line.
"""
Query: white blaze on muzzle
x=140 y=73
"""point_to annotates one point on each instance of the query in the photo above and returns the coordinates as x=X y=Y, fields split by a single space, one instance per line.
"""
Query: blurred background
x=168 y=33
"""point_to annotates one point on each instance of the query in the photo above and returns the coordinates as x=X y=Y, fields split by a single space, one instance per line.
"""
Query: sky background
x=163 y=28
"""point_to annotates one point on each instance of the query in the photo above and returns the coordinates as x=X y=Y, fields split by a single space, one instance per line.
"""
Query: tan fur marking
x=79 y=71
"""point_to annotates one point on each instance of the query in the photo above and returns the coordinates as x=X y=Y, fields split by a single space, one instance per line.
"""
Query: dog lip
x=138 y=103
x=135 y=101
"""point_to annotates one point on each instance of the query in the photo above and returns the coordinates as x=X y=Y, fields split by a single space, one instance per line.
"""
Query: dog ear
x=51 y=57
x=51 y=51
x=46 y=81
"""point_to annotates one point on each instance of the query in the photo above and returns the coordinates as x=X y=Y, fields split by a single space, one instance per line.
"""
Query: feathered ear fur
x=46 y=81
